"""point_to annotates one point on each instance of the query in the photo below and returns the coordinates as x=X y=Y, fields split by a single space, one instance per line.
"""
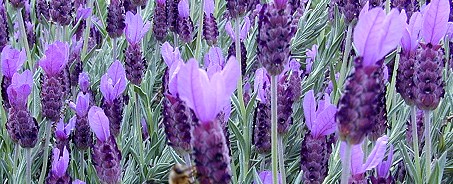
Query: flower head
x=20 y=88
x=376 y=34
x=320 y=118
x=173 y=59
x=136 y=28
x=207 y=96
x=214 y=60
x=61 y=131
x=261 y=85
x=12 y=61
x=99 y=123
x=411 y=33
x=60 y=163
x=83 y=13
x=84 y=81
x=56 y=58
x=82 y=104
x=183 y=9
x=113 y=83
x=383 y=168
x=244 y=30
x=435 y=19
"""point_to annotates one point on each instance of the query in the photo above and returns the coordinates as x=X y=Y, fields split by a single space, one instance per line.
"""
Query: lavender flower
x=61 y=12
x=113 y=84
x=115 y=19
x=266 y=177
x=58 y=173
x=274 y=36
x=84 y=82
x=185 y=24
x=129 y=7
x=52 y=89
x=82 y=135
x=172 y=14
x=350 y=8
x=320 y=120
x=79 y=3
x=62 y=133
x=242 y=36
x=17 y=3
x=429 y=86
x=21 y=126
x=135 y=63
x=3 y=27
x=42 y=10
x=311 y=56
x=210 y=29
x=209 y=143
x=360 y=109
x=358 y=168
x=383 y=170
x=177 y=117
x=105 y=154
x=262 y=117
x=76 y=61
x=11 y=61
x=237 y=8
x=160 y=20
x=81 y=16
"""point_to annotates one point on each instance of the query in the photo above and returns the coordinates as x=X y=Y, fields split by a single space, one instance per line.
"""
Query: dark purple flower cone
x=52 y=93
x=135 y=64
x=5 y=84
x=410 y=6
x=405 y=85
x=138 y=2
x=22 y=127
x=236 y=8
x=274 y=36
x=400 y=173
x=42 y=10
x=379 y=180
x=17 y=3
x=178 y=120
x=376 y=3
x=65 y=78
x=172 y=15
x=350 y=8
x=378 y=130
x=185 y=29
x=30 y=31
x=160 y=22
x=106 y=159
x=128 y=6
x=211 y=154
x=210 y=29
x=78 y=3
x=52 y=179
x=359 y=106
x=226 y=132
x=3 y=27
x=114 y=112
x=288 y=91
x=358 y=179
x=314 y=158
x=61 y=12
x=420 y=128
x=262 y=128
x=429 y=86
x=115 y=19
x=82 y=137
x=232 y=52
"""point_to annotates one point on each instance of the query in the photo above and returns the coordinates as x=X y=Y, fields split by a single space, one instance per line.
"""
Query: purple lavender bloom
x=78 y=182
x=55 y=59
x=242 y=36
x=106 y=156
x=42 y=10
x=383 y=170
x=11 y=61
x=3 y=27
x=311 y=56
x=60 y=162
x=238 y=8
x=84 y=82
x=62 y=133
x=319 y=117
x=362 y=110
x=135 y=63
x=358 y=168
x=17 y=3
x=410 y=6
x=266 y=177
x=20 y=89
x=160 y=20
x=115 y=19
x=61 y=12
x=185 y=24
x=211 y=153
x=113 y=84
x=81 y=15
x=82 y=135
x=210 y=29
x=172 y=14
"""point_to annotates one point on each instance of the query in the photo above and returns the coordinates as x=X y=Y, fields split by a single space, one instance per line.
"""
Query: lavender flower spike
x=82 y=104
x=12 y=61
x=210 y=29
x=82 y=137
x=20 y=89
x=55 y=59
x=60 y=162
x=115 y=19
x=185 y=24
x=207 y=96
x=136 y=28
x=62 y=133
x=383 y=170
x=160 y=20
x=84 y=82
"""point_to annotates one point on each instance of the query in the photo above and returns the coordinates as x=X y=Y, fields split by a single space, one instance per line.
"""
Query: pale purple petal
x=60 y=164
x=325 y=122
x=113 y=83
x=309 y=105
x=183 y=9
x=245 y=28
x=12 y=60
x=367 y=35
x=364 y=10
x=294 y=65
x=135 y=28
x=173 y=77
x=406 y=41
x=377 y=154
x=84 y=81
x=71 y=125
x=59 y=130
x=83 y=13
x=78 y=182
x=230 y=31
x=261 y=81
x=55 y=59
x=214 y=57
x=266 y=177
x=450 y=30
x=106 y=88
x=209 y=7
x=99 y=123
x=230 y=74
x=212 y=69
x=403 y=16
x=20 y=88
x=170 y=54
x=435 y=21
x=357 y=159
x=83 y=103
x=392 y=31
x=383 y=168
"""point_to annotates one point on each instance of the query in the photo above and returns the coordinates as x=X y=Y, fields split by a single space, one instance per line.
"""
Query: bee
x=181 y=174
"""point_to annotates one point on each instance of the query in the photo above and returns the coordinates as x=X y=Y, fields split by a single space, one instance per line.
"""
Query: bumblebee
x=181 y=174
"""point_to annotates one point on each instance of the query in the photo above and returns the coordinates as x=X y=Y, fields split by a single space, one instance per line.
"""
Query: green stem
x=175 y=40
x=46 y=153
x=199 y=33
x=281 y=159
x=344 y=64
x=139 y=134
x=274 y=152
x=427 y=124
x=29 y=163
x=114 y=47
x=82 y=163
x=23 y=35
x=86 y=33
x=346 y=165
x=415 y=143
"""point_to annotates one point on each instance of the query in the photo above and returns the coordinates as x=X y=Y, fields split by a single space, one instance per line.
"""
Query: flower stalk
x=29 y=163
x=281 y=158
x=274 y=136
x=415 y=142
x=346 y=163
x=46 y=153
x=427 y=123
x=86 y=33
x=199 y=34
x=24 y=38
x=139 y=134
